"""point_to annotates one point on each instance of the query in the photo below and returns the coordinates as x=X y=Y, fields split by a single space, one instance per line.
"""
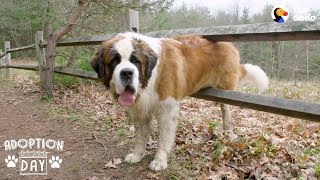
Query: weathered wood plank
x=7 y=59
x=76 y=73
x=59 y=70
x=277 y=36
x=289 y=31
x=23 y=48
x=1 y=61
x=287 y=107
x=25 y=67
x=81 y=41
x=132 y=23
x=41 y=57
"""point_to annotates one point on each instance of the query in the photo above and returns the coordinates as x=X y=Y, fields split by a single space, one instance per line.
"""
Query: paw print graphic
x=11 y=161
x=55 y=162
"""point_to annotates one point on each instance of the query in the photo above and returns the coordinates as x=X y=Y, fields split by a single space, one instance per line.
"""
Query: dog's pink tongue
x=127 y=98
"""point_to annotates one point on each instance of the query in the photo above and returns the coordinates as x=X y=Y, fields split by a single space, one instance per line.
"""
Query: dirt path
x=23 y=116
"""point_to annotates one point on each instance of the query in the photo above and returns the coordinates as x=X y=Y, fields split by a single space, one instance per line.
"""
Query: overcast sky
x=253 y=5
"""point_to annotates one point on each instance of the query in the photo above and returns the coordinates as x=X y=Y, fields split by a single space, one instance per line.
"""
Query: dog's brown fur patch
x=148 y=60
x=195 y=63
x=101 y=61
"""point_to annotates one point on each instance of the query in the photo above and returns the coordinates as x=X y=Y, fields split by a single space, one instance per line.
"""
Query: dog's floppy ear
x=97 y=64
x=101 y=68
x=148 y=63
x=151 y=63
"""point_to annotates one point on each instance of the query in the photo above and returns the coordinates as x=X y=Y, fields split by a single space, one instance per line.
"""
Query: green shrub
x=65 y=80
x=317 y=171
x=82 y=62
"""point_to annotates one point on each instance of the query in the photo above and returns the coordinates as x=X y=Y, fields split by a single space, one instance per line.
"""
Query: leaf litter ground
x=98 y=136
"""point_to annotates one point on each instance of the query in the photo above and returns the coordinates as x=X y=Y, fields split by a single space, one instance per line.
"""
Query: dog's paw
x=133 y=158
x=157 y=165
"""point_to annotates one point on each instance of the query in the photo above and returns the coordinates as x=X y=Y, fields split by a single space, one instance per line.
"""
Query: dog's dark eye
x=134 y=60
x=115 y=60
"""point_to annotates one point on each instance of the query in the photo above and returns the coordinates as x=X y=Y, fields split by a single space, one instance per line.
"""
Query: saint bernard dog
x=150 y=76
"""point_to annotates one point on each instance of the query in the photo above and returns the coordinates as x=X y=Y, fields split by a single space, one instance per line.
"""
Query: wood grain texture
x=287 y=107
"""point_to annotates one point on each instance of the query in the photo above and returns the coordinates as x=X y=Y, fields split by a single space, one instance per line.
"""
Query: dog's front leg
x=167 y=131
x=226 y=117
x=142 y=130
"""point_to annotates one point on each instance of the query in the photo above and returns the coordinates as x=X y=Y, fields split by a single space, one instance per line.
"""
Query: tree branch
x=73 y=21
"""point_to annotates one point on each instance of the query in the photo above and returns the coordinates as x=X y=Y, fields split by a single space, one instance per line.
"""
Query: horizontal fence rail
x=81 y=41
x=33 y=46
x=287 y=107
x=76 y=73
x=59 y=70
x=25 y=67
x=289 y=31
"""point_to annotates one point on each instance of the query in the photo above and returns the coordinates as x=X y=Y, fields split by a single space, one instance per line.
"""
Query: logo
x=280 y=14
x=33 y=157
x=303 y=14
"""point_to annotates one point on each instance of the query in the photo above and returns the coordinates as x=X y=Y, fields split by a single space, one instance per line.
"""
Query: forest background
x=20 y=19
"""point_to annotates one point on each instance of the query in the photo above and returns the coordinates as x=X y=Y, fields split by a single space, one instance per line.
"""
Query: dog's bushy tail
x=253 y=75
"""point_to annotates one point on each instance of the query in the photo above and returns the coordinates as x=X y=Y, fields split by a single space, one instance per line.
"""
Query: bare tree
x=236 y=11
x=53 y=38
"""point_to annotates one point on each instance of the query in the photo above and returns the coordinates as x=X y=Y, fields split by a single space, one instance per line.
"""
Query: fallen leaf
x=117 y=161
x=264 y=160
x=153 y=175
x=113 y=163
x=93 y=178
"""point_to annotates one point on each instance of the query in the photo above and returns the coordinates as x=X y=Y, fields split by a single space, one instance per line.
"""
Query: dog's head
x=125 y=63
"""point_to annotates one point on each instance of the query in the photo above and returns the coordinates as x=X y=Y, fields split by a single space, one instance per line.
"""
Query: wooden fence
x=289 y=31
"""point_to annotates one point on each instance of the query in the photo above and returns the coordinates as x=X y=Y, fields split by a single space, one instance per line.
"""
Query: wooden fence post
x=41 y=57
x=50 y=55
x=133 y=21
x=1 y=63
x=7 y=59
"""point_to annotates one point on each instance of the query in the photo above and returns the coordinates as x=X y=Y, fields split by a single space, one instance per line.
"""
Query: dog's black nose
x=126 y=75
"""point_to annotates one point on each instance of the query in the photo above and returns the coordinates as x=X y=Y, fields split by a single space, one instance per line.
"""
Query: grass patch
x=57 y=111
x=317 y=171
x=67 y=81
x=312 y=151
x=218 y=152
x=213 y=125
x=77 y=118
x=9 y=82
x=21 y=72
x=75 y=169
x=120 y=131
x=107 y=122
x=47 y=98
x=84 y=65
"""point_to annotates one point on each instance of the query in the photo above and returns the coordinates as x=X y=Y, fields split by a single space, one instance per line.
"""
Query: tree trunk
x=51 y=53
x=53 y=38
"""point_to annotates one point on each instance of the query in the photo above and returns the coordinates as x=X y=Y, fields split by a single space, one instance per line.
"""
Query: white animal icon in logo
x=55 y=162
x=11 y=161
